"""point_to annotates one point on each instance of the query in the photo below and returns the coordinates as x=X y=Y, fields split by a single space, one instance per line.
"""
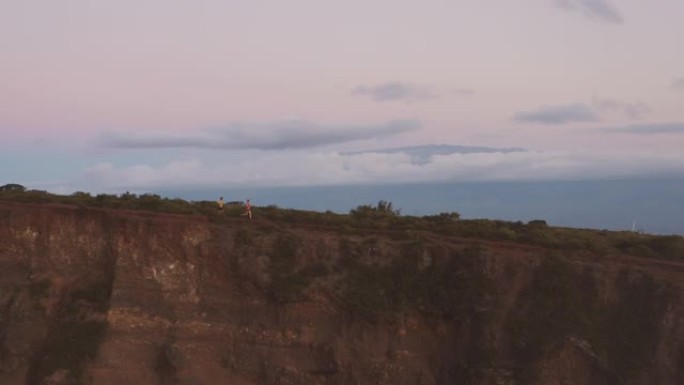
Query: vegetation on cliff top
x=384 y=217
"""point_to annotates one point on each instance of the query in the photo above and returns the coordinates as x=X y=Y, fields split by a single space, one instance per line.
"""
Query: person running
x=220 y=205
x=248 y=210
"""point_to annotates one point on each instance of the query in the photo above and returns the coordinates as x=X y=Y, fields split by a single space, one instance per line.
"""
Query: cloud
x=634 y=110
x=581 y=112
x=408 y=92
x=561 y=114
x=291 y=134
x=143 y=175
x=424 y=154
x=678 y=84
x=648 y=128
x=307 y=168
x=395 y=91
x=596 y=9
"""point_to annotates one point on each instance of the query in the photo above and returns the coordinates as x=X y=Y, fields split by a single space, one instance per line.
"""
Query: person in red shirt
x=248 y=210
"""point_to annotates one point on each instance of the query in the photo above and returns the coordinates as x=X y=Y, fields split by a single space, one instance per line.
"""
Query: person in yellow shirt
x=220 y=205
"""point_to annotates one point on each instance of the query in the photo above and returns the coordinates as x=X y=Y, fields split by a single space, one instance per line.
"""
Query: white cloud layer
x=330 y=168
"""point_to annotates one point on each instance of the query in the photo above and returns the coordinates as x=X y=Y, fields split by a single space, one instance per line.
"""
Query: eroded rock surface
x=94 y=296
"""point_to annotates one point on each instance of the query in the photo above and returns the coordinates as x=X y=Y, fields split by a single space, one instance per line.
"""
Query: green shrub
x=550 y=309
x=537 y=223
x=75 y=336
x=12 y=188
x=287 y=284
x=633 y=323
x=453 y=290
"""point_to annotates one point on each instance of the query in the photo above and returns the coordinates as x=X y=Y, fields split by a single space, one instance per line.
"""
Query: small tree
x=384 y=209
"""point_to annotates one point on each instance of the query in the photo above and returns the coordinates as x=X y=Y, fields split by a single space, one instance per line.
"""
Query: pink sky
x=464 y=70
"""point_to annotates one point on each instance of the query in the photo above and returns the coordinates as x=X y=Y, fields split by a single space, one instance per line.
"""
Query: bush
x=287 y=284
x=12 y=188
x=384 y=209
x=550 y=309
x=455 y=289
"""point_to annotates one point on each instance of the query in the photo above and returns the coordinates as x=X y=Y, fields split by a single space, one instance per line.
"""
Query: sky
x=155 y=94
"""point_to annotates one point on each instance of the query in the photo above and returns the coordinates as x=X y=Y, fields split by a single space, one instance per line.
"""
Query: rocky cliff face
x=94 y=296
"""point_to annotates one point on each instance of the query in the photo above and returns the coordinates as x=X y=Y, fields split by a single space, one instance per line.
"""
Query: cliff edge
x=101 y=296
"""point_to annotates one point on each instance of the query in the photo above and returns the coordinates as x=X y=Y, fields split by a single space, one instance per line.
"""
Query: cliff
x=103 y=296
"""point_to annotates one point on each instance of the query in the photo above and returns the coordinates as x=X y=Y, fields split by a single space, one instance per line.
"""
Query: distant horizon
x=653 y=202
x=650 y=203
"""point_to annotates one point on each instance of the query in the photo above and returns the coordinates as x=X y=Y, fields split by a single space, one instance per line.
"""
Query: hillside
x=141 y=290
